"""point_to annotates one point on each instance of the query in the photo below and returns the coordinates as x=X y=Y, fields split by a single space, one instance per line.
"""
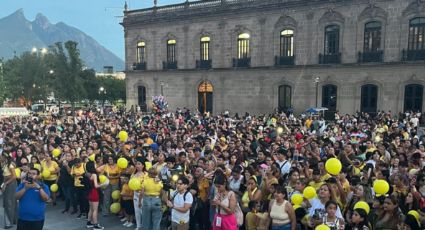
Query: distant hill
x=19 y=35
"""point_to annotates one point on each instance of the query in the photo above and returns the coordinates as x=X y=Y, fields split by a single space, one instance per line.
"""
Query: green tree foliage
x=33 y=75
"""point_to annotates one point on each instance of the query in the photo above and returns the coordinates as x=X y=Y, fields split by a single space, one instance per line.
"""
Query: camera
x=29 y=179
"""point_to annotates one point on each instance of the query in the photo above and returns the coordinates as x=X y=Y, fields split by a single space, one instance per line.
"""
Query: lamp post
x=2 y=86
x=102 y=93
x=162 y=88
x=316 y=80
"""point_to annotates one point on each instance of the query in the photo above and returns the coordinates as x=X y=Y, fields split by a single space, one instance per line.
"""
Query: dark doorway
x=205 y=97
x=285 y=97
x=141 y=93
x=329 y=99
x=369 y=99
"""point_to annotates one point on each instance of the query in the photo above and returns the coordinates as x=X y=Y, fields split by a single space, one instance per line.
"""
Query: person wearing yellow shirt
x=317 y=179
x=113 y=173
x=49 y=165
x=127 y=201
x=140 y=174
x=77 y=172
x=151 y=205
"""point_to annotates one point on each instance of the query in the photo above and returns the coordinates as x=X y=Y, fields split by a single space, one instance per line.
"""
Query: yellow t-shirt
x=251 y=221
x=316 y=185
x=141 y=177
x=151 y=187
x=52 y=168
x=77 y=173
x=7 y=170
x=109 y=171
x=245 y=198
x=126 y=192
x=203 y=187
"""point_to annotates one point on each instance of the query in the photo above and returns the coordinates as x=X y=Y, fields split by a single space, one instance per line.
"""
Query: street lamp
x=162 y=88
x=102 y=93
x=316 y=80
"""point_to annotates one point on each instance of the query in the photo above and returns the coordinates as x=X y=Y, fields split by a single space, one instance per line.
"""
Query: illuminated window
x=141 y=52
x=372 y=37
x=417 y=34
x=287 y=43
x=205 y=48
x=171 y=50
x=331 y=40
x=243 y=46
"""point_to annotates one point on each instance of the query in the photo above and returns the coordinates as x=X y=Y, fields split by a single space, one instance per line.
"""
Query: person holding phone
x=32 y=195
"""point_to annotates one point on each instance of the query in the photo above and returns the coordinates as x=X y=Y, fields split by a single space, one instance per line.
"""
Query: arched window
x=205 y=48
x=369 y=98
x=141 y=52
x=243 y=46
x=417 y=34
x=413 y=97
x=205 y=97
x=286 y=43
x=171 y=50
x=329 y=97
x=372 y=37
x=331 y=39
x=285 y=97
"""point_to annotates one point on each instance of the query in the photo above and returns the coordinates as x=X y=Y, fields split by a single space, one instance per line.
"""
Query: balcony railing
x=330 y=58
x=281 y=60
x=169 y=65
x=139 y=66
x=242 y=62
x=203 y=64
x=413 y=55
x=376 y=56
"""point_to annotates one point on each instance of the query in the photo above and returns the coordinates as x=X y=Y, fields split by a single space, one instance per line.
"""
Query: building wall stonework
x=255 y=89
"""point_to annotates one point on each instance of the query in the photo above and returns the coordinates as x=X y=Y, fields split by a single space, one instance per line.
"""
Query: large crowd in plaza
x=184 y=170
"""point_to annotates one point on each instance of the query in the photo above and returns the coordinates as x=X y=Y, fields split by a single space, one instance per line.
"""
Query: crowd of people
x=195 y=171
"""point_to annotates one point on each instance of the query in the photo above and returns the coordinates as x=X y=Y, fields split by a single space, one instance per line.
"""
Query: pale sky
x=98 y=18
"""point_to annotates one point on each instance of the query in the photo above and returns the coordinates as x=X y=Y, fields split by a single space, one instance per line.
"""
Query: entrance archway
x=205 y=97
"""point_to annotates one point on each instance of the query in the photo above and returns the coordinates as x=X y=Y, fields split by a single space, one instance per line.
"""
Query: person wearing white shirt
x=180 y=204
x=284 y=165
x=317 y=210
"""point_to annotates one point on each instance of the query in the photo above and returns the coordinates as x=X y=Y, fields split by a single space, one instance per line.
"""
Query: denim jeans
x=68 y=192
x=151 y=213
x=282 y=227
x=107 y=199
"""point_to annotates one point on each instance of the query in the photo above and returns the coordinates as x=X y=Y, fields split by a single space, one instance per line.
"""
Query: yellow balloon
x=18 y=172
x=297 y=199
x=56 y=152
x=92 y=157
x=102 y=179
x=115 y=207
x=45 y=173
x=309 y=192
x=381 y=187
x=123 y=135
x=333 y=166
x=54 y=187
x=122 y=163
x=322 y=227
x=362 y=205
x=116 y=194
x=134 y=184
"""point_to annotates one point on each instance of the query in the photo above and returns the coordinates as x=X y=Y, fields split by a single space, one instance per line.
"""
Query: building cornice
x=203 y=8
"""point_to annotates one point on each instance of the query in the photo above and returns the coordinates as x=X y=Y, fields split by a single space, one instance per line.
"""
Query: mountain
x=22 y=35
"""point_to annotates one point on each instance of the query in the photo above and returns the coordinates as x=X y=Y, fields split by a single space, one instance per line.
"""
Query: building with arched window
x=260 y=56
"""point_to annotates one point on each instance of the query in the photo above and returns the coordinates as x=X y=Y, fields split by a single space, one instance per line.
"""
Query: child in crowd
x=127 y=201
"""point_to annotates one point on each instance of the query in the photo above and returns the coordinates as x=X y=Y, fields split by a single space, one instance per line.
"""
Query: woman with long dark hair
x=359 y=220
x=93 y=196
x=140 y=174
x=8 y=188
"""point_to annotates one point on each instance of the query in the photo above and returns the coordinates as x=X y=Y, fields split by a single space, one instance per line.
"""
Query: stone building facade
x=261 y=55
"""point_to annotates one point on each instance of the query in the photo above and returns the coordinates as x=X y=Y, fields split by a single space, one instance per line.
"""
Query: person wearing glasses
x=180 y=204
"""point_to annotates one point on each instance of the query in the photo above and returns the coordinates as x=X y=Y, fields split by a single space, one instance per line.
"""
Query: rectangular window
x=287 y=43
x=141 y=54
x=332 y=40
x=171 y=50
x=205 y=54
x=372 y=37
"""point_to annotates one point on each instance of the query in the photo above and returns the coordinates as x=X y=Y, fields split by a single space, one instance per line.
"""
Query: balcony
x=330 y=58
x=203 y=64
x=169 y=65
x=413 y=55
x=281 y=60
x=376 y=56
x=242 y=62
x=139 y=66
